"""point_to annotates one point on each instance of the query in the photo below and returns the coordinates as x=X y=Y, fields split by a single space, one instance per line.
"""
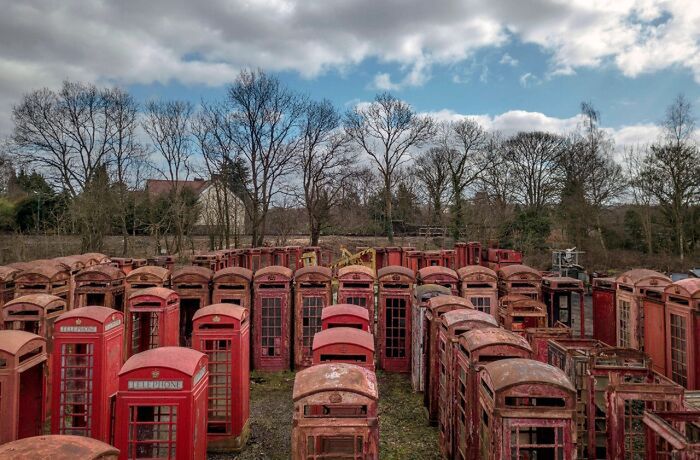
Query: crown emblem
x=78 y=322
x=155 y=374
x=216 y=318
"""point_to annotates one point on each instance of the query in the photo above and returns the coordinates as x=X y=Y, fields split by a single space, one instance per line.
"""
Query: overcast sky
x=516 y=64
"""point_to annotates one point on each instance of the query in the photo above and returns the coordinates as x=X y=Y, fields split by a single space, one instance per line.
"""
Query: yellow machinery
x=359 y=258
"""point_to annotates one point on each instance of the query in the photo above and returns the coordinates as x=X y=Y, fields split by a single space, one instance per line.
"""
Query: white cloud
x=528 y=79
x=125 y=42
x=382 y=81
x=507 y=59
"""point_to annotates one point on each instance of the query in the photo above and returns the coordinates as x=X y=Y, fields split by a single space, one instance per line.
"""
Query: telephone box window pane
x=359 y=301
x=75 y=404
x=395 y=328
x=311 y=318
x=481 y=303
x=624 y=324
x=219 y=353
x=152 y=431
x=271 y=325
x=679 y=356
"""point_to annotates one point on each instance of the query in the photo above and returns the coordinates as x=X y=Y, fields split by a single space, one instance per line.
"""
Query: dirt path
x=404 y=432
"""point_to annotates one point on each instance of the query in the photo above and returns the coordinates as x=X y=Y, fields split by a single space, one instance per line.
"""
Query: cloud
x=207 y=43
x=507 y=59
x=528 y=79
x=382 y=81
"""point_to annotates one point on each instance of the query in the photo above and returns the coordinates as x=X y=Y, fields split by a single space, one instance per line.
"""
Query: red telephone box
x=335 y=413
x=138 y=263
x=480 y=285
x=422 y=294
x=562 y=295
x=453 y=324
x=271 y=317
x=280 y=256
x=206 y=260
x=192 y=285
x=437 y=306
x=34 y=313
x=460 y=255
x=23 y=390
x=125 y=264
x=345 y=315
x=313 y=292
x=394 y=318
x=146 y=277
x=630 y=309
x=232 y=285
x=517 y=313
x=167 y=262
x=394 y=255
x=474 y=253
x=86 y=360
x=654 y=329
x=154 y=319
x=356 y=286
x=539 y=338
x=254 y=259
x=161 y=408
x=519 y=279
x=221 y=331
x=439 y=275
x=294 y=257
x=7 y=284
x=448 y=258
x=45 y=277
x=413 y=260
x=672 y=434
x=682 y=343
x=510 y=426
x=603 y=295
x=100 y=285
x=344 y=345
x=476 y=348
x=58 y=447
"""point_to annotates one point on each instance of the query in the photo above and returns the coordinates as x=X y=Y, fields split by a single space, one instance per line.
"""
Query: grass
x=403 y=429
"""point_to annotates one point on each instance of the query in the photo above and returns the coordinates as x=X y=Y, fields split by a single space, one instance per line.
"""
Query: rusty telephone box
x=161 y=405
x=436 y=308
x=335 y=413
x=453 y=324
x=519 y=279
x=271 y=318
x=100 y=285
x=294 y=257
x=312 y=293
x=356 y=286
x=564 y=295
x=654 y=328
x=630 y=307
x=206 y=260
x=682 y=342
x=58 y=447
x=476 y=348
x=34 y=313
x=603 y=296
x=125 y=264
x=23 y=391
x=233 y=285
x=443 y=276
x=7 y=284
x=193 y=286
x=221 y=331
x=480 y=285
x=510 y=427
x=539 y=337
x=394 y=318
x=154 y=319
x=517 y=314
x=345 y=315
x=146 y=277
x=45 y=277
x=422 y=295
x=86 y=361
x=672 y=434
x=344 y=345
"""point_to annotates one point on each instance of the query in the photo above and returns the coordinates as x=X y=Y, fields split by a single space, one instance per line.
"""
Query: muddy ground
x=404 y=432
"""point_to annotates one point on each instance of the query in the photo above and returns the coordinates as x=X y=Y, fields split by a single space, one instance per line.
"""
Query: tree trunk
x=388 y=211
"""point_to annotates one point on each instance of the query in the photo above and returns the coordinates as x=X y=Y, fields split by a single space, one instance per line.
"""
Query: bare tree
x=167 y=123
x=326 y=164
x=639 y=191
x=465 y=142
x=67 y=134
x=671 y=170
x=264 y=117
x=126 y=152
x=386 y=130
x=532 y=159
x=432 y=170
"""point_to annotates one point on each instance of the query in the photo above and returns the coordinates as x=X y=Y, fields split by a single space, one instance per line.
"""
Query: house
x=209 y=194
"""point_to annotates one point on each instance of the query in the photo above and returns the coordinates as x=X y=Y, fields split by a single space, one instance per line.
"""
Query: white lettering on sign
x=155 y=385
x=78 y=328
x=198 y=376
x=113 y=324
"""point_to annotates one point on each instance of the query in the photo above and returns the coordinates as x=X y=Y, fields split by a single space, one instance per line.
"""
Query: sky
x=512 y=64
